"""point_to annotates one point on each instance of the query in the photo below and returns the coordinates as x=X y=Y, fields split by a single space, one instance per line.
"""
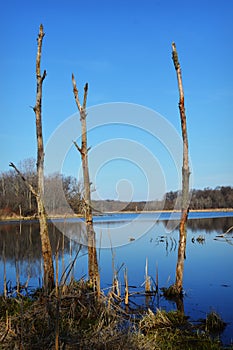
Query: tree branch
x=85 y=96
x=75 y=90
x=44 y=75
x=178 y=72
x=39 y=42
x=29 y=186
x=77 y=146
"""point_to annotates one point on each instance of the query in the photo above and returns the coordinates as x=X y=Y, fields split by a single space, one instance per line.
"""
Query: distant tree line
x=220 y=197
x=16 y=199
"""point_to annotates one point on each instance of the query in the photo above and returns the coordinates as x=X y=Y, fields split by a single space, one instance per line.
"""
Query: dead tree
x=39 y=191
x=93 y=270
x=185 y=179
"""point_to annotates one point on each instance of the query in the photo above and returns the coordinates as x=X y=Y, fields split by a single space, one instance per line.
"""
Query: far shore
x=79 y=216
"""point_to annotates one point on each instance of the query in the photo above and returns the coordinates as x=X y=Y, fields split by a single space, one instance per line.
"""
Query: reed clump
x=172 y=330
x=214 y=323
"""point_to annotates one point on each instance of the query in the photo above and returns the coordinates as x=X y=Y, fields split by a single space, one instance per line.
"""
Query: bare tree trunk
x=30 y=201
x=39 y=191
x=185 y=178
x=44 y=234
x=4 y=269
x=93 y=270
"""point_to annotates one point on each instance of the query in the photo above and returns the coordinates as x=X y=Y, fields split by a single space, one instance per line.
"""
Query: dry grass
x=172 y=330
x=76 y=319
x=214 y=323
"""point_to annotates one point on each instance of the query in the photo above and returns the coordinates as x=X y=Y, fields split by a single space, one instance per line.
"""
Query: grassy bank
x=34 y=217
x=72 y=318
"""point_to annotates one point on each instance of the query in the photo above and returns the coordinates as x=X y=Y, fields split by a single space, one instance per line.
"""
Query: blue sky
x=123 y=49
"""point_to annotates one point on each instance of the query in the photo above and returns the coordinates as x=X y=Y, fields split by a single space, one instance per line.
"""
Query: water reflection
x=208 y=279
x=210 y=224
x=204 y=224
x=20 y=245
x=20 y=251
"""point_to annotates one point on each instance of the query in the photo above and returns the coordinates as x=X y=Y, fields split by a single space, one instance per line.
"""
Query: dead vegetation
x=74 y=318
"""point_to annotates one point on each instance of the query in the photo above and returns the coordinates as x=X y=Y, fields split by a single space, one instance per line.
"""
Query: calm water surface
x=126 y=241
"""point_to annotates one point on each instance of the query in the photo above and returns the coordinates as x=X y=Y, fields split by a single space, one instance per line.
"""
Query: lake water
x=126 y=241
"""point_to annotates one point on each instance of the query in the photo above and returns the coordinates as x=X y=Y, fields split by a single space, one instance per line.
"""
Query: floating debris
x=200 y=239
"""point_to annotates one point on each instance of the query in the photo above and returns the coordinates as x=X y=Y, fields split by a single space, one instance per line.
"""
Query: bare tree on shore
x=178 y=286
x=38 y=191
x=93 y=270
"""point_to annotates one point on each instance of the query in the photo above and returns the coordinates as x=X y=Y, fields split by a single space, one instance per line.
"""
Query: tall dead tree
x=93 y=270
x=185 y=178
x=39 y=191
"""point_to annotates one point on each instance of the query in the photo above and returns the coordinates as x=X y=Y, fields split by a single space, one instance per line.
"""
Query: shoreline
x=79 y=216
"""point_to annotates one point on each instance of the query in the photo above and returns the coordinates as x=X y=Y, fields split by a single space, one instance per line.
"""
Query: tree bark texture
x=185 y=177
x=93 y=270
x=39 y=191
x=45 y=242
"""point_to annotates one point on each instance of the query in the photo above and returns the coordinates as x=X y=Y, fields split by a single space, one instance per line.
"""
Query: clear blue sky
x=123 y=49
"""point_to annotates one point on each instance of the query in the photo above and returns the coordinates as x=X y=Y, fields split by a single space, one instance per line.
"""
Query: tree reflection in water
x=205 y=268
x=20 y=250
